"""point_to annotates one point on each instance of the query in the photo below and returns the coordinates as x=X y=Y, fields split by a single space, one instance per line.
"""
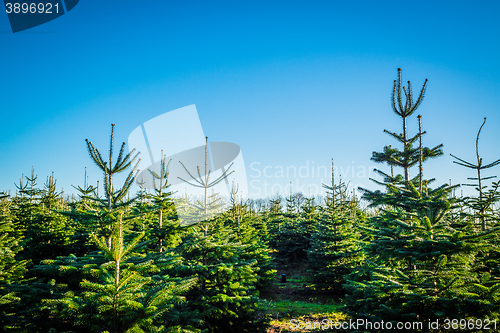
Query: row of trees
x=120 y=264
x=116 y=263
x=418 y=253
x=430 y=255
x=90 y=268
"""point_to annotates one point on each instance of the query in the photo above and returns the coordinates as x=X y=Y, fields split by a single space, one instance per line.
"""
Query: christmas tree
x=419 y=265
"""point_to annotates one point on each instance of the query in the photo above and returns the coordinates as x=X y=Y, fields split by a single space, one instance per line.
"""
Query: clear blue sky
x=291 y=82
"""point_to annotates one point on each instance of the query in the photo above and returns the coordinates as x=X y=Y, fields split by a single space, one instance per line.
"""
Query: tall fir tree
x=119 y=287
x=336 y=246
x=483 y=210
x=122 y=291
x=114 y=200
x=419 y=266
x=485 y=201
x=225 y=257
x=11 y=268
x=49 y=233
x=168 y=228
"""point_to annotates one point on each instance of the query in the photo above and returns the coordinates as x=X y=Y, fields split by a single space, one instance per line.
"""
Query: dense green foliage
x=336 y=244
x=424 y=262
x=11 y=270
x=117 y=262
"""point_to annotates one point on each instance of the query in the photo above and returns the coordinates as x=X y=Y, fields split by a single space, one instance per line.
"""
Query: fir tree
x=117 y=288
x=252 y=232
x=11 y=269
x=225 y=295
x=123 y=292
x=409 y=156
x=336 y=245
x=114 y=200
x=484 y=214
x=273 y=214
x=291 y=239
x=483 y=204
x=419 y=265
x=211 y=204
x=225 y=258
x=83 y=222
x=168 y=227
x=26 y=203
x=49 y=233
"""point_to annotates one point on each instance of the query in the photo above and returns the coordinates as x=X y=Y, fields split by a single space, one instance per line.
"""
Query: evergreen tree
x=11 y=269
x=49 y=233
x=273 y=214
x=119 y=288
x=309 y=218
x=123 y=293
x=292 y=241
x=419 y=265
x=83 y=222
x=114 y=201
x=31 y=219
x=252 y=232
x=26 y=204
x=336 y=245
x=484 y=203
x=484 y=213
x=225 y=257
x=168 y=228
x=225 y=296
x=210 y=205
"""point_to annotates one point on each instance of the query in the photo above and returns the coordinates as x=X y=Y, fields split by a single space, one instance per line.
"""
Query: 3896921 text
x=363 y=324
x=469 y=324
x=32 y=8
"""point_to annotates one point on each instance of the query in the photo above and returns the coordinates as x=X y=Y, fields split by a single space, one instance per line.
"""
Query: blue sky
x=292 y=83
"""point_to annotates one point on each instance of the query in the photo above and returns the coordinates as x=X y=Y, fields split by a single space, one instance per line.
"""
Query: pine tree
x=122 y=292
x=273 y=214
x=225 y=296
x=83 y=222
x=336 y=245
x=168 y=228
x=483 y=204
x=49 y=233
x=210 y=205
x=119 y=288
x=419 y=265
x=291 y=239
x=31 y=221
x=225 y=258
x=252 y=232
x=410 y=155
x=114 y=201
x=11 y=269
x=484 y=214
x=26 y=204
